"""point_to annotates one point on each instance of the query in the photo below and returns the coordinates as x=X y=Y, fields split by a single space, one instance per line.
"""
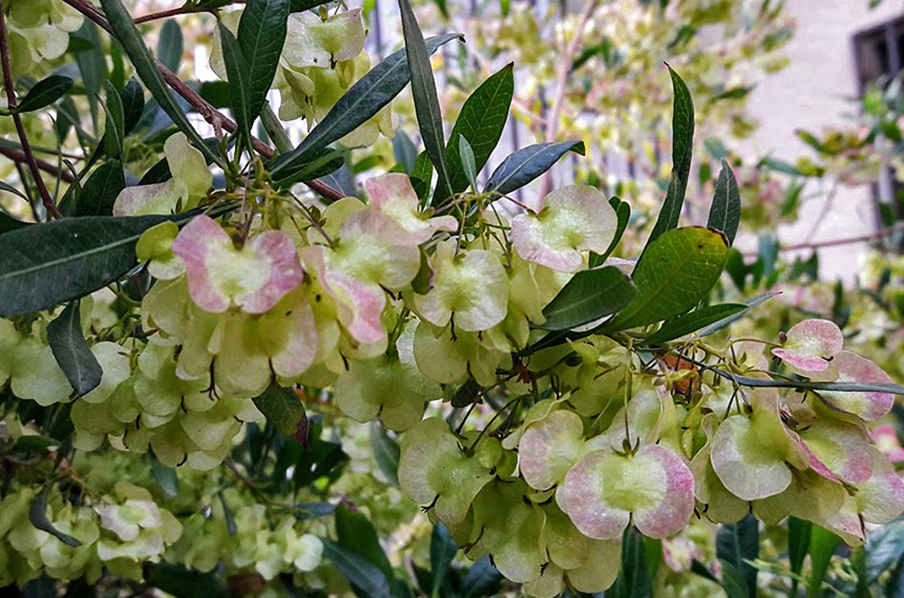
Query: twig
x=23 y=137
x=552 y=120
x=175 y=12
x=17 y=156
x=213 y=116
x=876 y=236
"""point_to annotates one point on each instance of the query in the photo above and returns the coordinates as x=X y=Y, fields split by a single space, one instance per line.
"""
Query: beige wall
x=810 y=94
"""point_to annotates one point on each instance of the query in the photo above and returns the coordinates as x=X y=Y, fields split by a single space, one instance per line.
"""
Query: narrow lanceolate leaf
x=146 y=68
x=749 y=304
x=633 y=580
x=355 y=532
x=97 y=196
x=822 y=547
x=282 y=408
x=466 y=154
x=725 y=213
x=623 y=213
x=261 y=36
x=132 y=98
x=239 y=83
x=422 y=176
x=691 y=322
x=360 y=572
x=480 y=122
x=528 y=163
x=44 y=93
x=318 y=164
x=170 y=45
x=674 y=273
x=359 y=104
x=37 y=515
x=45 y=265
x=426 y=102
x=114 y=131
x=442 y=552
x=737 y=543
x=71 y=351
x=8 y=223
x=386 y=453
x=588 y=296
x=682 y=144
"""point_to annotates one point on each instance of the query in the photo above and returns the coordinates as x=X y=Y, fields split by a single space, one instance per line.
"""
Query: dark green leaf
x=386 y=453
x=359 y=104
x=633 y=580
x=114 y=131
x=623 y=213
x=725 y=212
x=356 y=533
x=737 y=542
x=467 y=162
x=44 y=93
x=404 y=151
x=282 y=408
x=10 y=189
x=238 y=73
x=588 y=296
x=216 y=93
x=798 y=547
x=360 y=572
x=733 y=581
x=71 y=351
x=231 y=527
x=703 y=571
x=482 y=579
x=91 y=64
x=132 y=98
x=320 y=163
x=426 y=102
x=145 y=67
x=422 y=176
x=37 y=514
x=261 y=36
x=749 y=303
x=45 y=265
x=185 y=583
x=682 y=145
x=896 y=389
x=166 y=477
x=481 y=121
x=8 y=223
x=170 y=45
x=884 y=548
x=528 y=163
x=442 y=551
x=685 y=324
x=674 y=273
x=822 y=547
x=734 y=93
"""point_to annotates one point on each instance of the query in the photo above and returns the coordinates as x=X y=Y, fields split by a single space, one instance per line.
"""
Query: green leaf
x=48 y=264
x=467 y=162
x=145 y=67
x=261 y=36
x=685 y=324
x=37 y=515
x=114 y=131
x=884 y=549
x=526 y=164
x=633 y=580
x=170 y=45
x=91 y=64
x=674 y=273
x=426 y=102
x=623 y=213
x=166 y=477
x=725 y=212
x=8 y=223
x=44 y=93
x=386 y=453
x=231 y=527
x=71 y=351
x=481 y=122
x=359 y=104
x=739 y=542
x=237 y=71
x=282 y=408
x=798 y=547
x=132 y=98
x=422 y=176
x=822 y=547
x=482 y=579
x=749 y=303
x=403 y=151
x=360 y=572
x=733 y=581
x=682 y=146
x=588 y=296
x=442 y=552
x=319 y=163
x=185 y=583
x=356 y=533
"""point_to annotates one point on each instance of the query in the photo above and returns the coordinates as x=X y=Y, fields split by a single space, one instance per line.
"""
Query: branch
x=213 y=116
x=17 y=118
x=175 y=12
x=17 y=156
